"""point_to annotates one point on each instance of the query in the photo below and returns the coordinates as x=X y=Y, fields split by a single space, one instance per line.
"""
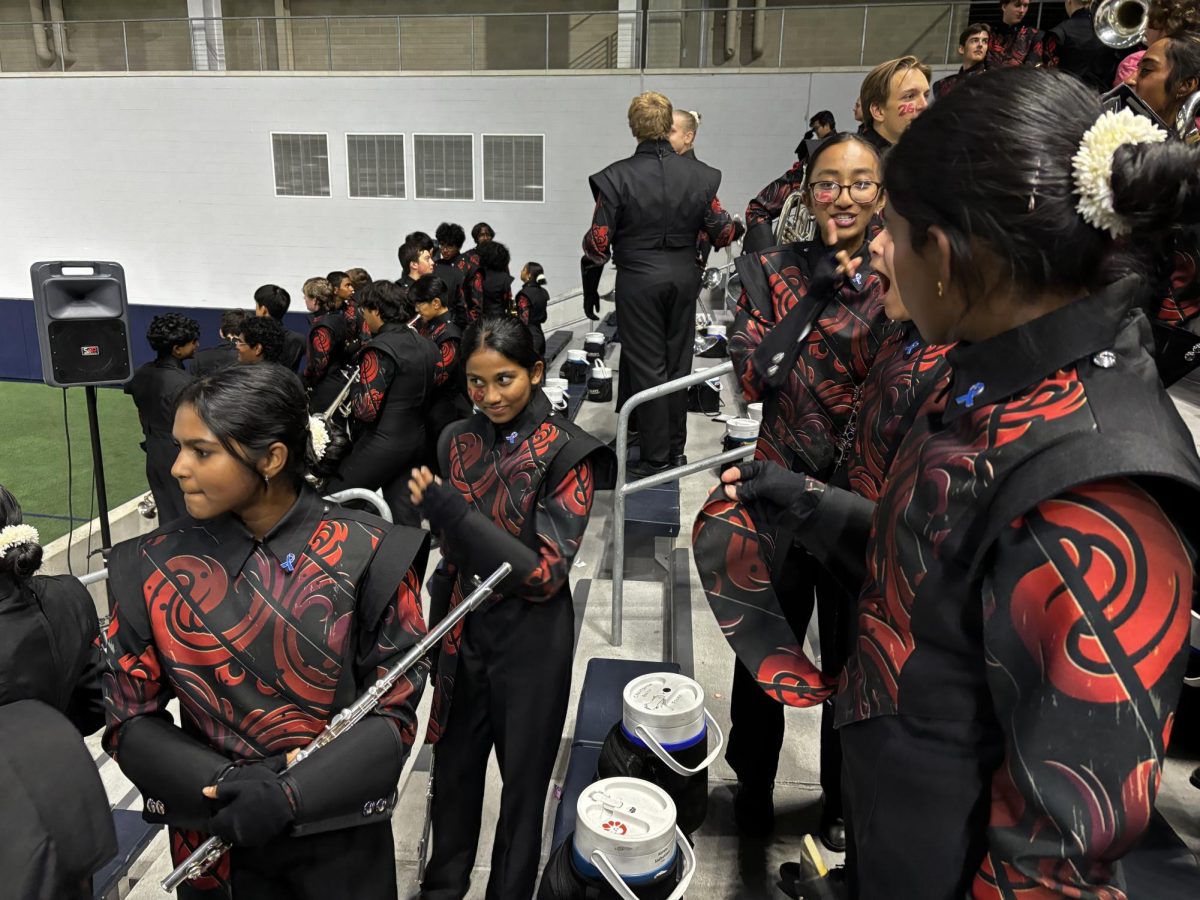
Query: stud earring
x=939 y=290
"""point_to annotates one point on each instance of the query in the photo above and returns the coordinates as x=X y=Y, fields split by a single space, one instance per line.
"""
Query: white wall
x=171 y=176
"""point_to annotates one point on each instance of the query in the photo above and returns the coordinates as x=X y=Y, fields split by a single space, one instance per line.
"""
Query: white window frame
x=328 y=164
x=407 y=163
x=476 y=170
x=483 y=179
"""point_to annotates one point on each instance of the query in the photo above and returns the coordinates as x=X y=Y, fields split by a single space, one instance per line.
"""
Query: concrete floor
x=728 y=867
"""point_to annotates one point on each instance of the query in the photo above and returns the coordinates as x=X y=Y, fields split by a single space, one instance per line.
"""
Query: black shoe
x=678 y=461
x=644 y=468
x=832 y=832
x=754 y=810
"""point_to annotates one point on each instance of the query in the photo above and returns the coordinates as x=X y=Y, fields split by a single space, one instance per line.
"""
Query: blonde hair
x=877 y=86
x=320 y=291
x=691 y=119
x=650 y=116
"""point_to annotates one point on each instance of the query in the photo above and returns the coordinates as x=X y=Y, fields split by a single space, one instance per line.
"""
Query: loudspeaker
x=83 y=323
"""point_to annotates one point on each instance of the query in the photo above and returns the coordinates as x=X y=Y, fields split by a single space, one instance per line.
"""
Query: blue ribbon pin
x=512 y=438
x=911 y=348
x=289 y=563
x=968 y=399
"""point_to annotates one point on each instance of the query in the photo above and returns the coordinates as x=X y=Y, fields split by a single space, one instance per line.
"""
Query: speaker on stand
x=82 y=314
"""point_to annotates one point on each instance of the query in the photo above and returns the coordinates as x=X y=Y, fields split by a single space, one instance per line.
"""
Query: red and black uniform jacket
x=1015 y=45
x=734 y=543
x=496 y=297
x=649 y=209
x=452 y=275
x=329 y=341
x=704 y=244
x=768 y=204
x=1073 y=47
x=531 y=302
x=448 y=400
x=1175 y=316
x=471 y=289
x=1033 y=553
x=528 y=487
x=943 y=86
x=810 y=394
x=262 y=643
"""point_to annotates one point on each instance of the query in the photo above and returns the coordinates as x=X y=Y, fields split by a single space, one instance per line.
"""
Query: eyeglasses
x=829 y=191
x=238 y=342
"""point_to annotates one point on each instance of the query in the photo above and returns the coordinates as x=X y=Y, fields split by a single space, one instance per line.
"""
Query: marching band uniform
x=495 y=291
x=943 y=86
x=1014 y=45
x=452 y=276
x=472 y=283
x=329 y=340
x=262 y=642
x=214 y=359
x=1073 y=47
x=392 y=396
x=1039 y=494
x=767 y=206
x=448 y=401
x=532 y=301
x=519 y=493
x=294 y=349
x=154 y=387
x=811 y=387
x=1175 y=312
x=649 y=209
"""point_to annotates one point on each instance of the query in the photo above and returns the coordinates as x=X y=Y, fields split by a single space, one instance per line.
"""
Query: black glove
x=256 y=807
x=591 y=306
x=775 y=356
x=443 y=506
x=768 y=482
x=589 y=274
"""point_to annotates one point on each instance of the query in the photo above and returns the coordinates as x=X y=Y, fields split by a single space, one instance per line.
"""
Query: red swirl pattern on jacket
x=804 y=419
x=1015 y=45
x=733 y=554
x=768 y=203
x=904 y=364
x=1182 y=304
x=506 y=483
x=255 y=656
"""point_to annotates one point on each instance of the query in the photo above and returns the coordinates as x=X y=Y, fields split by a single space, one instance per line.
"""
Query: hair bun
x=541 y=279
x=25 y=559
x=1157 y=186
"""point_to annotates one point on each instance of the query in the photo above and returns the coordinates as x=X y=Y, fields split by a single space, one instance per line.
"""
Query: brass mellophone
x=207 y=854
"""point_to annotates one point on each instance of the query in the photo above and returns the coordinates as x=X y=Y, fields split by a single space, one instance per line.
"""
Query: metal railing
x=776 y=37
x=623 y=489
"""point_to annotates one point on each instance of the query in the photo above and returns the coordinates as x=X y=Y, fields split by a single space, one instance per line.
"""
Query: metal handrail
x=636 y=60
x=623 y=489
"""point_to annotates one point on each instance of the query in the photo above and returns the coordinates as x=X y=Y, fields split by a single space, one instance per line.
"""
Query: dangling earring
x=939 y=290
x=267 y=481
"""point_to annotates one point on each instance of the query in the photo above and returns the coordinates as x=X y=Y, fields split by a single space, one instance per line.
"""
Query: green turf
x=33 y=452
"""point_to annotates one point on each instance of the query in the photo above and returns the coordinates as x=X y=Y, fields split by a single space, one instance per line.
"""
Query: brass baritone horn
x=1121 y=24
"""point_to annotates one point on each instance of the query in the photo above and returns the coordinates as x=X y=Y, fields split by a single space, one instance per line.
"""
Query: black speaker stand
x=98 y=470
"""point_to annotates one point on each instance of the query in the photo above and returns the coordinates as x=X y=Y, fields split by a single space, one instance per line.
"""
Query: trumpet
x=1121 y=24
x=341 y=403
x=204 y=856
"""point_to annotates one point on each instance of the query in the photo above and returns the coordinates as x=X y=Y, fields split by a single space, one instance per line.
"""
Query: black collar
x=659 y=148
x=287 y=541
x=513 y=434
x=993 y=370
x=168 y=362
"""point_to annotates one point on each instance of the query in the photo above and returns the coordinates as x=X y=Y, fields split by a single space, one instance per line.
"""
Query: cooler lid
x=662 y=700
x=626 y=812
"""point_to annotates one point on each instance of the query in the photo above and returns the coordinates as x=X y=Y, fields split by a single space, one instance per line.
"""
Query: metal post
x=399 y=48
x=782 y=23
x=949 y=30
x=1041 y=7
x=623 y=489
x=547 y=42
x=862 y=50
x=98 y=468
x=258 y=40
x=328 y=45
x=125 y=44
x=472 y=44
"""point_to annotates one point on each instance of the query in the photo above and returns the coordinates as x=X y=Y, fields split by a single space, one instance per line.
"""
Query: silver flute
x=207 y=854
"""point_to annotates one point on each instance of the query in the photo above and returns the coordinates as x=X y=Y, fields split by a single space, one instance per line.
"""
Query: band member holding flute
x=519 y=489
x=391 y=399
x=263 y=611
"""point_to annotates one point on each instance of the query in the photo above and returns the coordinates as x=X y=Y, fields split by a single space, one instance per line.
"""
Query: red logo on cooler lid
x=615 y=827
x=89 y=350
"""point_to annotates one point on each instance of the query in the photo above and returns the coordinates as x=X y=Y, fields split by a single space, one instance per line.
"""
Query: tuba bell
x=1121 y=24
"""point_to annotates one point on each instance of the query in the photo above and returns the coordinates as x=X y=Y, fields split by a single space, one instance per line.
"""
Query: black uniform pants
x=510 y=691
x=656 y=313
x=917 y=803
x=353 y=862
x=160 y=457
x=757 y=721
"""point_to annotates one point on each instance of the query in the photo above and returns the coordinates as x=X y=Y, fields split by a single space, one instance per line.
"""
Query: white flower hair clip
x=12 y=535
x=1092 y=165
x=319 y=435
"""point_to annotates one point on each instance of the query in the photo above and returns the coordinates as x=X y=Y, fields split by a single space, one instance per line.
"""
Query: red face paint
x=908 y=109
x=477 y=396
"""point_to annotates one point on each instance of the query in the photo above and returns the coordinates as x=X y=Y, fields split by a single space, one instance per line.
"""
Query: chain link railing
x=777 y=37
